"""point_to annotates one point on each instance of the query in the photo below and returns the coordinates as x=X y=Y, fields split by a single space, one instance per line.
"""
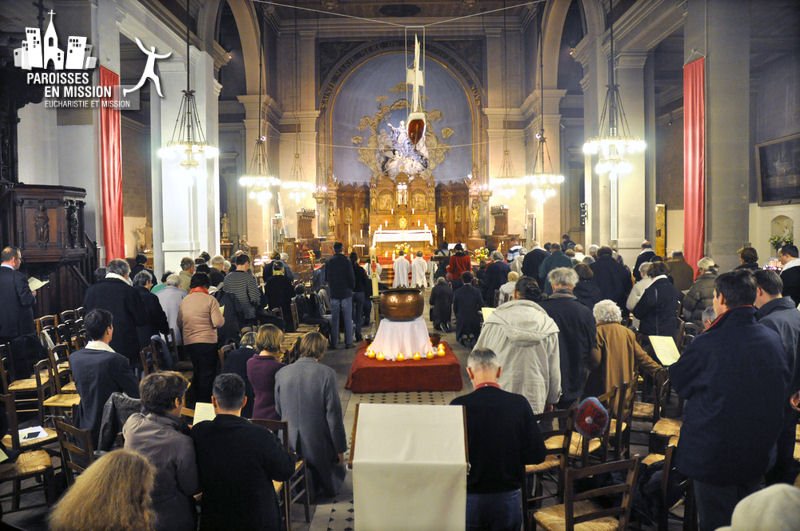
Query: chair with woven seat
x=651 y=411
x=25 y=392
x=664 y=430
x=619 y=425
x=59 y=358
x=12 y=440
x=582 y=448
x=296 y=488
x=45 y=321
x=77 y=449
x=61 y=404
x=578 y=508
x=556 y=429
x=32 y=462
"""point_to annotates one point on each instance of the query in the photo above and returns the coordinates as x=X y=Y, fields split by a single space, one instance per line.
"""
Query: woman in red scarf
x=199 y=317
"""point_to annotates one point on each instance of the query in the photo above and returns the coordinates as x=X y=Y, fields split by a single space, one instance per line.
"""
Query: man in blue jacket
x=735 y=378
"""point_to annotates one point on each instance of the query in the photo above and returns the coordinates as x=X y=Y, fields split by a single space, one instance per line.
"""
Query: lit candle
x=444 y=233
x=412 y=211
x=385 y=222
x=418 y=222
x=361 y=233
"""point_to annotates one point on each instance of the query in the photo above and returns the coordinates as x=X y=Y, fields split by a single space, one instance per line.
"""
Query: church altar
x=400 y=236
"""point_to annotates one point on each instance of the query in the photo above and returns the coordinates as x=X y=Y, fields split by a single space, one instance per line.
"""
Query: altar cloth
x=400 y=236
x=406 y=337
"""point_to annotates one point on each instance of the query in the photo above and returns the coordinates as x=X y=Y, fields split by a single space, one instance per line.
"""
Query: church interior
x=397 y=128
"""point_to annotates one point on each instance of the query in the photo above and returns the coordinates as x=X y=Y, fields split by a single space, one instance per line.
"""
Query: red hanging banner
x=694 y=179
x=111 y=173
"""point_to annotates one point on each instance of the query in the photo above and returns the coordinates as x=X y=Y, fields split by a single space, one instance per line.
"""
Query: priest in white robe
x=419 y=270
x=401 y=271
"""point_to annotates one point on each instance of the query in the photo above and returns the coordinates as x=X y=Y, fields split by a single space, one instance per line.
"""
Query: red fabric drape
x=111 y=173
x=694 y=178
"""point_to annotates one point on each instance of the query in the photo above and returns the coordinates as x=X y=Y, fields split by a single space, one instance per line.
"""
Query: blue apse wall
x=376 y=77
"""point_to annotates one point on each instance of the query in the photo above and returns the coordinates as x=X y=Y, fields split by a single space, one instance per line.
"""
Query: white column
x=551 y=211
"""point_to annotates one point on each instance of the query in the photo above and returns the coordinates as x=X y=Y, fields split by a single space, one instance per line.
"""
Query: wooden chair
x=148 y=360
x=80 y=312
x=581 y=448
x=556 y=429
x=651 y=411
x=61 y=404
x=27 y=395
x=295 y=316
x=45 y=321
x=223 y=353
x=67 y=316
x=59 y=358
x=29 y=463
x=77 y=449
x=296 y=489
x=12 y=440
x=579 y=507
x=619 y=425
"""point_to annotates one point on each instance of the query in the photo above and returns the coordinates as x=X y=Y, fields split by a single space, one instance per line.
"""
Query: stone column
x=724 y=38
x=257 y=215
x=551 y=210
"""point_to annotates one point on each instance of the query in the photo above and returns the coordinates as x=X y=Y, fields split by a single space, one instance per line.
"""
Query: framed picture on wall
x=778 y=170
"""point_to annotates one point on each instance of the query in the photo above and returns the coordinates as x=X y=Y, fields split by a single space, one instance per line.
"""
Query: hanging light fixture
x=261 y=184
x=543 y=184
x=614 y=142
x=188 y=142
x=506 y=183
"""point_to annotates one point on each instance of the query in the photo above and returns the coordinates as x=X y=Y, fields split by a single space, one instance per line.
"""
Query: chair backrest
x=679 y=333
x=246 y=329
x=5 y=354
x=557 y=423
x=56 y=355
x=77 y=449
x=223 y=353
x=13 y=423
x=46 y=387
x=660 y=387
x=620 y=510
x=295 y=315
x=67 y=316
x=146 y=357
x=79 y=311
x=44 y=321
x=279 y=427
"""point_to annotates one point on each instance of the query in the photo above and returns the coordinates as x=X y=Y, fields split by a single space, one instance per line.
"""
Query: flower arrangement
x=481 y=253
x=779 y=241
x=405 y=247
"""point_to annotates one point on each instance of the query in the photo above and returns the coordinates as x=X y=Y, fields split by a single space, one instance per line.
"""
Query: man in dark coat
x=532 y=261
x=16 y=314
x=780 y=313
x=556 y=259
x=441 y=302
x=790 y=275
x=496 y=276
x=735 y=379
x=341 y=281
x=658 y=306
x=237 y=462
x=577 y=335
x=467 y=303
x=141 y=265
x=614 y=281
x=682 y=273
x=645 y=255
x=115 y=294
x=99 y=371
x=156 y=318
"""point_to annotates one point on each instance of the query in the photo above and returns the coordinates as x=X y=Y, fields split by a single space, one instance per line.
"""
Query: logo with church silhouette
x=38 y=53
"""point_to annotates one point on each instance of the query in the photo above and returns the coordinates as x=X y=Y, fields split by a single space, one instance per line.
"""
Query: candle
x=418 y=222
x=444 y=233
x=361 y=233
x=385 y=222
x=412 y=211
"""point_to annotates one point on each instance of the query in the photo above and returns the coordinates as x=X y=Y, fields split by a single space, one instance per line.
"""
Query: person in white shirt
x=419 y=268
x=402 y=268
x=638 y=289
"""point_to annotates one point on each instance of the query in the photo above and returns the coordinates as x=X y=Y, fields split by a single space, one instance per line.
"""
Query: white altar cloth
x=409 y=467
x=406 y=337
x=399 y=236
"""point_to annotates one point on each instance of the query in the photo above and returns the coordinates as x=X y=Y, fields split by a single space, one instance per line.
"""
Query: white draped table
x=402 y=337
x=400 y=236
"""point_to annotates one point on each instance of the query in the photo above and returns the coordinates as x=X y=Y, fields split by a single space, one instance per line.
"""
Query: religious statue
x=73 y=225
x=348 y=216
x=331 y=219
x=475 y=215
x=457 y=214
x=41 y=223
x=419 y=201
x=385 y=202
x=364 y=216
x=373 y=200
x=225 y=227
x=139 y=236
x=431 y=202
x=442 y=213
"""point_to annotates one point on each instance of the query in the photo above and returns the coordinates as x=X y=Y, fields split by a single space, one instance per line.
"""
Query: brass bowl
x=403 y=304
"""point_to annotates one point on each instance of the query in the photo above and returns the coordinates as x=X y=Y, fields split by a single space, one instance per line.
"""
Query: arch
x=555 y=15
x=244 y=13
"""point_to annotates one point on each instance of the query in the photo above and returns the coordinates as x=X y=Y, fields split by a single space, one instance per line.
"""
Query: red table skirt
x=373 y=376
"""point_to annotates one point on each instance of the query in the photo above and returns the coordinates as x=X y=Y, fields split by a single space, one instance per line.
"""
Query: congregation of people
x=564 y=326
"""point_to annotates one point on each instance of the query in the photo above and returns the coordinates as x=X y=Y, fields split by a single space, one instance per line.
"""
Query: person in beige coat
x=616 y=353
x=199 y=317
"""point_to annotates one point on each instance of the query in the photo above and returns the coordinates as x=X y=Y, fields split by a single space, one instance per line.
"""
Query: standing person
x=442 y=259
x=586 y=290
x=141 y=265
x=682 y=273
x=16 y=313
x=156 y=319
x=459 y=263
x=187 y=270
x=614 y=281
x=170 y=297
x=199 y=318
x=525 y=340
x=238 y=461
x=780 y=313
x=790 y=275
x=236 y=363
x=556 y=259
x=419 y=272
x=318 y=277
x=735 y=378
x=467 y=303
x=638 y=290
x=748 y=259
x=532 y=261
x=657 y=310
x=341 y=281
x=359 y=295
x=217 y=274
x=115 y=294
x=306 y=397
x=402 y=268
x=577 y=335
x=645 y=255
x=99 y=371
x=243 y=285
x=441 y=302
x=701 y=293
x=115 y=492
x=261 y=370
x=278 y=292
x=500 y=445
x=496 y=275
x=159 y=434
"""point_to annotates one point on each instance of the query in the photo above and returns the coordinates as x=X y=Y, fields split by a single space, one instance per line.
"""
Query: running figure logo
x=149 y=71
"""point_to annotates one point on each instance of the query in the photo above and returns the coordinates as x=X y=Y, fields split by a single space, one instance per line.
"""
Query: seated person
x=236 y=362
x=159 y=434
x=238 y=461
x=261 y=370
x=99 y=371
x=308 y=310
x=306 y=397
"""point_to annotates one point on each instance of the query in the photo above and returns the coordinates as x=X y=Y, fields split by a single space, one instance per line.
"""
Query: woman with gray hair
x=616 y=353
x=170 y=298
x=701 y=295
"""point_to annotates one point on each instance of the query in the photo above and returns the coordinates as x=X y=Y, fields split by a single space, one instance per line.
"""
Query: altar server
x=402 y=268
x=419 y=272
